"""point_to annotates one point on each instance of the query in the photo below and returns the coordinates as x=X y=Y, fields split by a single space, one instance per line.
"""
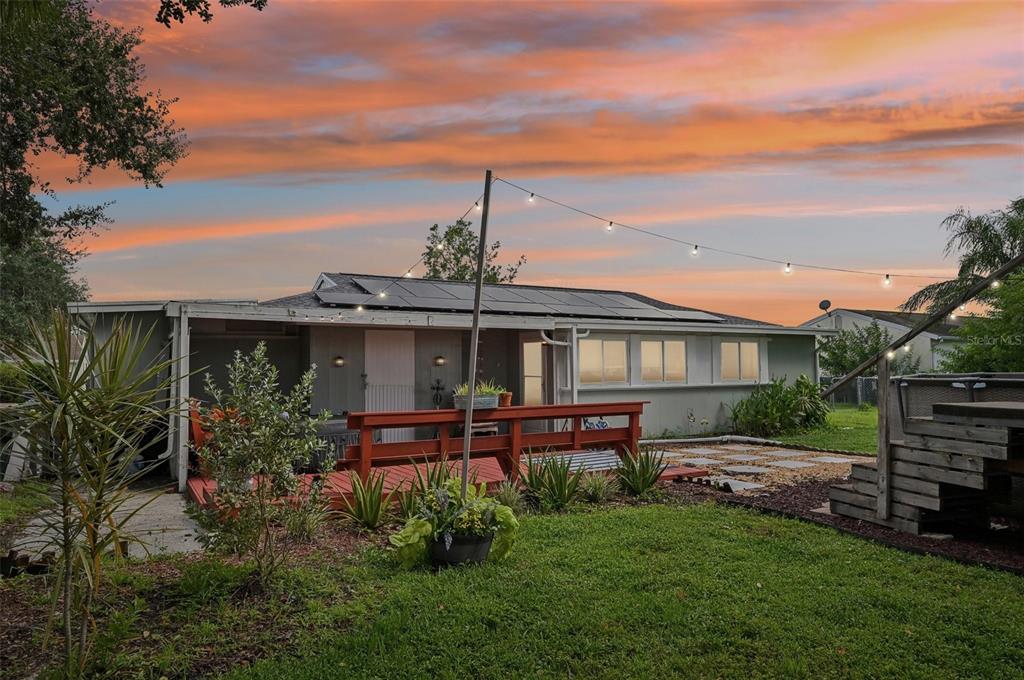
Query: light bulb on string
x=478 y=206
x=995 y=284
x=906 y=348
x=610 y=227
x=383 y=294
x=531 y=199
x=359 y=308
x=887 y=281
x=890 y=355
x=408 y=274
x=788 y=269
x=963 y=308
x=952 y=315
x=696 y=250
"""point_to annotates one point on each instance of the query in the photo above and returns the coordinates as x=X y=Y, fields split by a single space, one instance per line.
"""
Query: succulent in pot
x=485 y=395
x=451 y=530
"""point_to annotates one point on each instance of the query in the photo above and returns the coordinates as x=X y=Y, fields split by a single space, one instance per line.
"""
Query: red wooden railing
x=507 y=448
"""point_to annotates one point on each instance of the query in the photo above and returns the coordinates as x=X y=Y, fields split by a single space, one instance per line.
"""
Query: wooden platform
x=944 y=472
x=483 y=469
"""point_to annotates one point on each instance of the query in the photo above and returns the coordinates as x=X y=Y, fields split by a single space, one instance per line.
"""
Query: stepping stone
x=745 y=469
x=735 y=484
x=701 y=451
x=791 y=464
x=831 y=459
x=701 y=461
x=740 y=447
x=784 y=453
x=743 y=457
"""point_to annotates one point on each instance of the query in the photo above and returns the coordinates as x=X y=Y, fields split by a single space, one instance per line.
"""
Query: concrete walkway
x=162 y=526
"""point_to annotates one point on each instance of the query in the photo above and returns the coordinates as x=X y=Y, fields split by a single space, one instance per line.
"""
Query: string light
x=890 y=355
x=963 y=308
x=995 y=284
x=609 y=227
x=952 y=315
x=788 y=269
x=359 y=308
x=533 y=196
x=906 y=347
x=408 y=274
x=478 y=206
x=382 y=294
x=696 y=250
x=887 y=281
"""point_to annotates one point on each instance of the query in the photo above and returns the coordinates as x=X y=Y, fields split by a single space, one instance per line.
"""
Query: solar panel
x=692 y=315
x=536 y=295
x=462 y=291
x=580 y=310
x=496 y=293
x=567 y=298
x=372 y=285
x=617 y=300
x=516 y=307
x=333 y=298
x=424 y=289
x=440 y=303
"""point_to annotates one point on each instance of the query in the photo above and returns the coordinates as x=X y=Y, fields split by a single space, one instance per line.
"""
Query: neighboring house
x=408 y=348
x=930 y=346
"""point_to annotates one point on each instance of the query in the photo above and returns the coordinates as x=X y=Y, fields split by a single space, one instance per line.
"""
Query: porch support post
x=474 y=338
x=883 y=464
x=182 y=368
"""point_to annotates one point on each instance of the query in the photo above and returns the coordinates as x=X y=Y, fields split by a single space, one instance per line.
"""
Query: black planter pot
x=464 y=550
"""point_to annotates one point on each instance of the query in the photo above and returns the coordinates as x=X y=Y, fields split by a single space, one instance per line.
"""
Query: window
x=533 y=373
x=602 y=361
x=740 y=361
x=662 y=361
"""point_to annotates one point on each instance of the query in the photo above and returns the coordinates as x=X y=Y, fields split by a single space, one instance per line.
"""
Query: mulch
x=1001 y=548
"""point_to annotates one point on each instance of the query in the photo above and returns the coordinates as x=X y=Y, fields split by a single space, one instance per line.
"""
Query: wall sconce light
x=440 y=360
x=339 y=361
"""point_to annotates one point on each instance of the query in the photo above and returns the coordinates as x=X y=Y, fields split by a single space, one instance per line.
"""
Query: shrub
x=550 y=484
x=775 y=408
x=639 y=473
x=257 y=435
x=370 y=507
x=509 y=494
x=597 y=487
x=306 y=518
x=483 y=387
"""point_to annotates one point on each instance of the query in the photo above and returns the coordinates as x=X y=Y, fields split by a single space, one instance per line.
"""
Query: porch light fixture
x=339 y=361
x=439 y=360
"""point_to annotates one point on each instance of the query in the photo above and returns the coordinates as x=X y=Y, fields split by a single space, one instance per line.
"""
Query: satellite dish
x=824 y=305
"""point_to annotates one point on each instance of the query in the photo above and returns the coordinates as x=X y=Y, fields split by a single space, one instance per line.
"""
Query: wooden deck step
x=931 y=428
x=869 y=515
x=846 y=493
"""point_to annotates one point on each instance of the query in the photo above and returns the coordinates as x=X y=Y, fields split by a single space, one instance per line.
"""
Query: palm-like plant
x=370 y=507
x=83 y=424
x=984 y=243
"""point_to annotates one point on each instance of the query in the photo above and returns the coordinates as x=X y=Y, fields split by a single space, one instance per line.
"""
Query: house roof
x=907 y=319
x=349 y=290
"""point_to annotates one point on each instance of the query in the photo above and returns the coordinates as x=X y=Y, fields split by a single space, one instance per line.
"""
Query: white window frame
x=662 y=340
x=717 y=364
x=626 y=343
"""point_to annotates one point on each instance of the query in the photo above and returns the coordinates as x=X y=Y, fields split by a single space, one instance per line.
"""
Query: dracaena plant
x=259 y=434
x=446 y=513
x=83 y=421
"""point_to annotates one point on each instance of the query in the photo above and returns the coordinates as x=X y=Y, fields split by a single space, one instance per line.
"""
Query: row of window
x=661 y=361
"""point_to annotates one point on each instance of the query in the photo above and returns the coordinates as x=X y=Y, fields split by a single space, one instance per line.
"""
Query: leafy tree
x=84 y=423
x=70 y=85
x=984 y=243
x=847 y=349
x=993 y=343
x=451 y=255
x=258 y=435
x=176 y=10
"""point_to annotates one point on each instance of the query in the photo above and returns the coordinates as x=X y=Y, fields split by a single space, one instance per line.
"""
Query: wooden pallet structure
x=944 y=473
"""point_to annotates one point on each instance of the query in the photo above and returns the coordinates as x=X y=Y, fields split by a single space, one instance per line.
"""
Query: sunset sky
x=329 y=136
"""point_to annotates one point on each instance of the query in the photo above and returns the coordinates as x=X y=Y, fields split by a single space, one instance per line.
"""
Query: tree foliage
x=70 y=86
x=993 y=343
x=177 y=10
x=984 y=243
x=451 y=255
x=848 y=348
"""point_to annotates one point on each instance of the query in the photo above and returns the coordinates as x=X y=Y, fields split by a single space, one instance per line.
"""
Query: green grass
x=848 y=429
x=662 y=591
x=25 y=500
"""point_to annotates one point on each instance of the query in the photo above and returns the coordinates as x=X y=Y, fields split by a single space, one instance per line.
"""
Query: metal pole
x=474 y=337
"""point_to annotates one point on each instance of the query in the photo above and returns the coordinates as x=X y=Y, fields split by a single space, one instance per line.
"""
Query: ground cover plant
x=848 y=428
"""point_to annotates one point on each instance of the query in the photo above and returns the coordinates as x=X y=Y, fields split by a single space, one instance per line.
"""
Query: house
x=387 y=343
x=930 y=346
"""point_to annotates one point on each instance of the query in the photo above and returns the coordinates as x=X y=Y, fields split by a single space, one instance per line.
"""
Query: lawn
x=848 y=429
x=25 y=500
x=631 y=592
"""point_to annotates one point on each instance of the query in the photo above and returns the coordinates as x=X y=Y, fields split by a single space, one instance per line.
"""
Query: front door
x=391 y=376
x=534 y=387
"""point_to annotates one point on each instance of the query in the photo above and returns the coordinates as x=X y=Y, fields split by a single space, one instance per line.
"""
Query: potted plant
x=453 y=530
x=485 y=396
x=505 y=399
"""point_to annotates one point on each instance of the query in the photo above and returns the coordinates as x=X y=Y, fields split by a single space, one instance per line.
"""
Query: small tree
x=84 y=422
x=847 y=349
x=259 y=435
x=995 y=342
x=451 y=255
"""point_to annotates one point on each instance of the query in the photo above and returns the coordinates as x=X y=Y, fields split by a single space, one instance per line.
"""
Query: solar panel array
x=458 y=297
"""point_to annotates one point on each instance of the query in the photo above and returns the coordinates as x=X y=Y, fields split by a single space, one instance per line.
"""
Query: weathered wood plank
x=884 y=464
x=952 y=461
x=969 y=448
x=869 y=515
x=1010 y=413
x=845 y=493
x=930 y=428
x=899 y=495
x=921 y=486
x=929 y=473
